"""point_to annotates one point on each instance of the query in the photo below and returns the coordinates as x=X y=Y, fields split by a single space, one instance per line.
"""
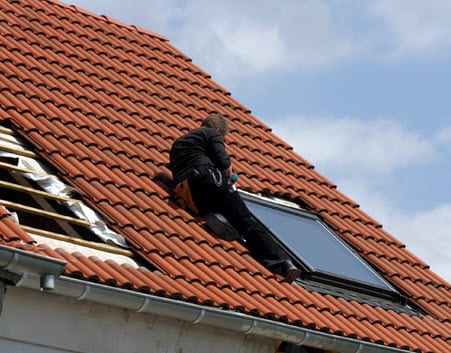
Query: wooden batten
x=44 y=213
x=78 y=241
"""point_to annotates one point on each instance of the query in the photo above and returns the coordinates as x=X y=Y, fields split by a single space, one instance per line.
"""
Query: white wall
x=38 y=322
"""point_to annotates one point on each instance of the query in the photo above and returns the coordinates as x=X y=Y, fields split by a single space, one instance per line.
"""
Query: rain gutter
x=15 y=264
x=30 y=269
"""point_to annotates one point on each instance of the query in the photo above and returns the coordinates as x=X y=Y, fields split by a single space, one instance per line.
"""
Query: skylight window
x=320 y=253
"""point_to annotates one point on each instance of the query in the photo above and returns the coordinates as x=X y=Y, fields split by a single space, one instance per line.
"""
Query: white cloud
x=443 y=137
x=236 y=39
x=415 y=27
x=377 y=147
x=427 y=234
x=242 y=38
x=258 y=47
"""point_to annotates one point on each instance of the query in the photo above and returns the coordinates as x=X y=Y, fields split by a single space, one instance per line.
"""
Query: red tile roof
x=102 y=102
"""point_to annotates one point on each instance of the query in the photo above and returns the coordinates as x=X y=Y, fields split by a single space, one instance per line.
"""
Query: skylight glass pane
x=315 y=244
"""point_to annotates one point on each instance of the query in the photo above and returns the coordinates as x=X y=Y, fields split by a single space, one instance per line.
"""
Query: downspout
x=192 y=313
x=15 y=263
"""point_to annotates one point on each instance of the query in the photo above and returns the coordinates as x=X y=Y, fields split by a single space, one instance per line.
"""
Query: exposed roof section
x=102 y=102
x=40 y=199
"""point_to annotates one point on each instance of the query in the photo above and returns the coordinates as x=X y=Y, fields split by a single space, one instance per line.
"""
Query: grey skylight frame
x=378 y=287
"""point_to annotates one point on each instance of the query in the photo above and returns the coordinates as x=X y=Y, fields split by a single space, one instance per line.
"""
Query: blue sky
x=359 y=88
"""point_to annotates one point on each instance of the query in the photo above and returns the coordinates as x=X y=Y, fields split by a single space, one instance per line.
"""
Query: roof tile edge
x=111 y=20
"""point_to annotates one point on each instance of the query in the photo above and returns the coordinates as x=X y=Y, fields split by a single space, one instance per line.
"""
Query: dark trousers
x=211 y=192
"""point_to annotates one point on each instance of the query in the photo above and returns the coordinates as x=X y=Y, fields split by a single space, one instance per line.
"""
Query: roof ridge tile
x=110 y=20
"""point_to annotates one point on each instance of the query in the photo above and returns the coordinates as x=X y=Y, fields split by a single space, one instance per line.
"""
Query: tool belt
x=182 y=190
x=183 y=196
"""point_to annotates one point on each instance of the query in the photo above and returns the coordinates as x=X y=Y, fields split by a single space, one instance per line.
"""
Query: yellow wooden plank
x=78 y=241
x=7 y=131
x=43 y=213
x=41 y=193
x=24 y=170
x=20 y=152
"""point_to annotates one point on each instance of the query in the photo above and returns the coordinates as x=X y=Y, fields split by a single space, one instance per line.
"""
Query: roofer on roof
x=201 y=169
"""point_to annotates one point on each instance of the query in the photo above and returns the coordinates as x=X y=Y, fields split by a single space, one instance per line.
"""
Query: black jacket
x=200 y=147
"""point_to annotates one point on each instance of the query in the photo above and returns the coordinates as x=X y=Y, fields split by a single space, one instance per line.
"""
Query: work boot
x=221 y=226
x=290 y=271
x=287 y=269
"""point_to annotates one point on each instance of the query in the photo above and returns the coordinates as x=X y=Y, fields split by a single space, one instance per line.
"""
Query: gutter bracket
x=201 y=316
x=252 y=328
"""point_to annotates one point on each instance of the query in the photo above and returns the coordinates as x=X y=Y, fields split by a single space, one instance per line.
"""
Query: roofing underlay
x=102 y=101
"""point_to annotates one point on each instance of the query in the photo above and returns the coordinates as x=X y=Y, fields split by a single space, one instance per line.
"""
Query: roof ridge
x=110 y=20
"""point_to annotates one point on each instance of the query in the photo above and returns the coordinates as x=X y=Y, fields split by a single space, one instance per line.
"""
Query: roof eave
x=33 y=268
